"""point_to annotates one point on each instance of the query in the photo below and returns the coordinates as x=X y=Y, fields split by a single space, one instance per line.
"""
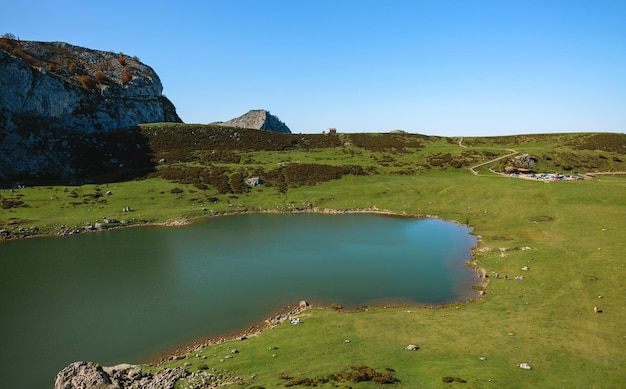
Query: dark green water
x=123 y=296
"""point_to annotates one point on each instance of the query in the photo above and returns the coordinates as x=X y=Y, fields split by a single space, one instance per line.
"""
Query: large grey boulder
x=83 y=375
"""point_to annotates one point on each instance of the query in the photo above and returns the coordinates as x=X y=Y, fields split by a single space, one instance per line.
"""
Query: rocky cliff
x=53 y=94
x=258 y=119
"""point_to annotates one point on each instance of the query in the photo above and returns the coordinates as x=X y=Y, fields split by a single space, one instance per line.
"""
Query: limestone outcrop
x=52 y=93
x=258 y=119
x=89 y=375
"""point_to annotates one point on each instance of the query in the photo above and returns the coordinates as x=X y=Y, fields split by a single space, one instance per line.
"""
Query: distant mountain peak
x=258 y=119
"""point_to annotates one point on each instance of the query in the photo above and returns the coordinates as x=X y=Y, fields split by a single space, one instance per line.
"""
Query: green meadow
x=575 y=234
x=569 y=235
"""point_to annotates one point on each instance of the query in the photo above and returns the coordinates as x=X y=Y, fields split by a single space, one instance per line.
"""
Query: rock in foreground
x=89 y=375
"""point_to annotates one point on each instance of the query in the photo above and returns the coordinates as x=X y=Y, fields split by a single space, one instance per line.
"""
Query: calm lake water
x=126 y=295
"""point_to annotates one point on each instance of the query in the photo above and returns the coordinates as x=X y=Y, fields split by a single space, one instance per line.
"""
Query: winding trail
x=513 y=152
x=461 y=142
x=474 y=172
x=472 y=168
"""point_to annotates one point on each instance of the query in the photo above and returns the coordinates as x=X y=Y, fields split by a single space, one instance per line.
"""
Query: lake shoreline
x=181 y=222
x=283 y=315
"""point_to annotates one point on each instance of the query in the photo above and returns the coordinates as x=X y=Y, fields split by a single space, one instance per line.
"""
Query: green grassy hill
x=570 y=235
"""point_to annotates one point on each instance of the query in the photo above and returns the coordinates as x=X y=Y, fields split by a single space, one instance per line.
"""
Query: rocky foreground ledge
x=88 y=375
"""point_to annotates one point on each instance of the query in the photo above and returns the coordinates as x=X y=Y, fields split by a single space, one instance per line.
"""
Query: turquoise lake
x=126 y=295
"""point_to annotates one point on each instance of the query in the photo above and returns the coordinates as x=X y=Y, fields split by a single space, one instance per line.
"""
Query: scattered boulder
x=525 y=366
x=254 y=182
x=123 y=372
x=83 y=375
x=525 y=161
x=412 y=347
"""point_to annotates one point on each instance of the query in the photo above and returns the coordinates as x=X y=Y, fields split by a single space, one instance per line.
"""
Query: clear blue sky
x=440 y=67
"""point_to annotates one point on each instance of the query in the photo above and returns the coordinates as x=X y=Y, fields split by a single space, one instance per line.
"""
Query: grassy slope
x=574 y=230
x=546 y=320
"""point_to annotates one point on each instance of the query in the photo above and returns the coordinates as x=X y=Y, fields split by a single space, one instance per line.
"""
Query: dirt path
x=474 y=172
x=591 y=174
x=471 y=169
x=513 y=152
